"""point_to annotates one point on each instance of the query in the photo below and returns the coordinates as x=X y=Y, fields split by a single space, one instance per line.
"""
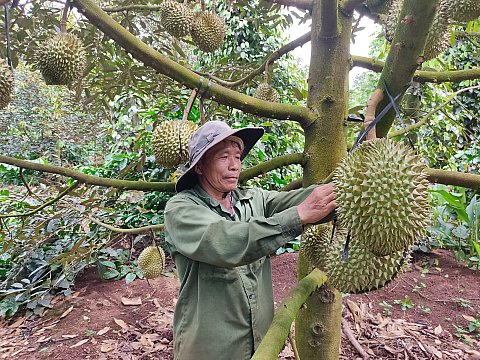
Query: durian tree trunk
x=318 y=323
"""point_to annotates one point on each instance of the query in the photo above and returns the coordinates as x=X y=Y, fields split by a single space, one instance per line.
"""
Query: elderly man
x=221 y=237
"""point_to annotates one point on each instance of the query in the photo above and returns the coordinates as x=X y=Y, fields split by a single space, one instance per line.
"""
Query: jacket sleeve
x=278 y=201
x=202 y=235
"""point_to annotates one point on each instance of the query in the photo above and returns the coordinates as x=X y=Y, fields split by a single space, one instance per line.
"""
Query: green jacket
x=225 y=304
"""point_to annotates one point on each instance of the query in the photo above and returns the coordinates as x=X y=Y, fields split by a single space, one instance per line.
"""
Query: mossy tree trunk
x=317 y=326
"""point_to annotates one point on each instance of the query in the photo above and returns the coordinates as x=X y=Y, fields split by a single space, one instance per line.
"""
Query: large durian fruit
x=266 y=92
x=151 y=262
x=6 y=84
x=392 y=19
x=461 y=10
x=208 y=31
x=438 y=37
x=170 y=142
x=356 y=269
x=61 y=59
x=382 y=196
x=315 y=244
x=176 y=18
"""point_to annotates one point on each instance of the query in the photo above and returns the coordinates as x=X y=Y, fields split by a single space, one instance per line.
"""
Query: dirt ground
x=421 y=315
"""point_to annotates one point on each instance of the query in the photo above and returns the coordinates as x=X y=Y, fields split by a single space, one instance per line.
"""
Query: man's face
x=220 y=167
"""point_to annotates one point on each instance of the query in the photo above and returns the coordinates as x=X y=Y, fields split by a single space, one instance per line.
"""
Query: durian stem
x=157 y=227
x=266 y=75
x=213 y=6
x=202 y=2
x=63 y=20
x=372 y=103
x=273 y=341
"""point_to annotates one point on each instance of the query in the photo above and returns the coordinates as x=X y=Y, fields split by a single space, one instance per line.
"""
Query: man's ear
x=197 y=169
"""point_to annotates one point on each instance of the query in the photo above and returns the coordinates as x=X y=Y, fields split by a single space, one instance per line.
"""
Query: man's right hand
x=319 y=204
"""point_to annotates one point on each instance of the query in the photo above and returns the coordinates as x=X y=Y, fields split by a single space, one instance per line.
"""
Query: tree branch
x=428 y=116
x=269 y=165
x=274 y=340
x=471 y=181
x=420 y=75
x=132 y=8
x=270 y=59
x=299 y=4
x=90 y=179
x=44 y=205
x=177 y=72
x=158 y=227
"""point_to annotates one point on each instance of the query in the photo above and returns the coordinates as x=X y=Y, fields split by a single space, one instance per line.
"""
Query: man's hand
x=319 y=204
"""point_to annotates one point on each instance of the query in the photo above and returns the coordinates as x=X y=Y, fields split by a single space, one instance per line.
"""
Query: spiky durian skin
x=361 y=270
x=176 y=18
x=382 y=196
x=61 y=59
x=266 y=92
x=151 y=262
x=170 y=143
x=208 y=31
x=315 y=244
x=461 y=10
x=392 y=19
x=438 y=37
x=6 y=84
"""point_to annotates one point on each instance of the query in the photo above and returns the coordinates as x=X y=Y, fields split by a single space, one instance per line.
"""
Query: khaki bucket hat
x=207 y=136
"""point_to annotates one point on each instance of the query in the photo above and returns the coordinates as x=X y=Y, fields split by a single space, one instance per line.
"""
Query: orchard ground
x=430 y=312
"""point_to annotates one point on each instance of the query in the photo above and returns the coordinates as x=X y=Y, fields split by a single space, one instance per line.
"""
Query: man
x=221 y=236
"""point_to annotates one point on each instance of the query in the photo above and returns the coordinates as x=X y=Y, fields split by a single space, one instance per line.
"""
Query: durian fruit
x=379 y=7
x=361 y=270
x=208 y=31
x=461 y=10
x=392 y=19
x=151 y=262
x=170 y=143
x=266 y=92
x=6 y=84
x=176 y=18
x=382 y=196
x=315 y=244
x=61 y=59
x=438 y=37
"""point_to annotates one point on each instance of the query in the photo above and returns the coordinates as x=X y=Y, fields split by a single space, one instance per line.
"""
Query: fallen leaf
x=145 y=341
x=17 y=323
x=131 y=302
x=107 y=346
x=121 y=323
x=43 y=339
x=104 y=330
x=469 y=318
x=438 y=330
x=66 y=312
x=69 y=336
x=80 y=343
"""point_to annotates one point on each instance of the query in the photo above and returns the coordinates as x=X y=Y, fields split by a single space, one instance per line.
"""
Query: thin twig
x=158 y=227
x=291 y=338
x=351 y=337
x=44 y=205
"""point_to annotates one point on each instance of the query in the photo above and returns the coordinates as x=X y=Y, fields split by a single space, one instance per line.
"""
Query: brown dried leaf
x=80 y=343
x=66 y=312
x=69 y=336
x=108 y=345
x=469 y=318
x=104 y=330
x=438 y=330
x=121 y=323
x=131 y=302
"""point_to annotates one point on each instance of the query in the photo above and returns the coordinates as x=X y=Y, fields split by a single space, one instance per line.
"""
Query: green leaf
x=130 y=277
x=110 y=274
x=107 y=263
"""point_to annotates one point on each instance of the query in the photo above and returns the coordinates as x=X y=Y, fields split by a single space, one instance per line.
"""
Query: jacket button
x=251 y=296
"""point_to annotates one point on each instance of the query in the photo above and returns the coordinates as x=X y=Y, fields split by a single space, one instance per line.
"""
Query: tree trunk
x=318 y=323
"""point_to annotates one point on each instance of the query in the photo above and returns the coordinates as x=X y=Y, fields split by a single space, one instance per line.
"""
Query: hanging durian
x=392 y=19
x=315 y=244
x=382 y=196
x=176 y=18
x=151 y=262
x=6 y=84
x=61 y=59
x=355 y=269
x=461 y=10
x=438 y=37
x=208 y=31
x=266 y=92
x=170 y=142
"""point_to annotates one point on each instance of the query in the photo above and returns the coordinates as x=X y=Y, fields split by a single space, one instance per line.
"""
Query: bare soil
x=112 y=320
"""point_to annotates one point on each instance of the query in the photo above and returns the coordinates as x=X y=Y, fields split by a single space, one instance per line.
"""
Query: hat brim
x=249 y=135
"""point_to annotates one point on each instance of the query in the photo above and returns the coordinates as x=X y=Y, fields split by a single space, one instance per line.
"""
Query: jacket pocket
x=214 y=273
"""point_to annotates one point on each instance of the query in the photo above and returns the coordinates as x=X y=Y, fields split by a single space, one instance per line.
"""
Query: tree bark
x=318 y=323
